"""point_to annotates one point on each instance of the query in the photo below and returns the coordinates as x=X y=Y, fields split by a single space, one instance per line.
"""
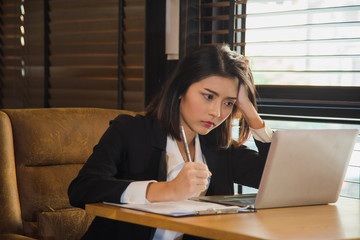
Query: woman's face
x=207 y=103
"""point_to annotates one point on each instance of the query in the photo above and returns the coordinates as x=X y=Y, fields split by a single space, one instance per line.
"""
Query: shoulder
x=131 y=123
x=129 y=119
x=138 y=126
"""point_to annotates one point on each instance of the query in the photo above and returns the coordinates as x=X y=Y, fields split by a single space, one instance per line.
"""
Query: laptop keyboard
x=247 y=201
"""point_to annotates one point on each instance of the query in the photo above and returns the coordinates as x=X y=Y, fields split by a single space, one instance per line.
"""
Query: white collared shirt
x=175 y=162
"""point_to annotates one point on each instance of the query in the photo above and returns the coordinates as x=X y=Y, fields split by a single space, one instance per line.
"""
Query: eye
x=229 y=104
x=208 y=96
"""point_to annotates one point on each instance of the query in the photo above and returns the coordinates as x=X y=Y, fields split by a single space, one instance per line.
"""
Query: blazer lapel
x=162 y=176
x=158 y=142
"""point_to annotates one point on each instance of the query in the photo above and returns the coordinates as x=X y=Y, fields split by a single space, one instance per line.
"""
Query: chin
x=204 y=131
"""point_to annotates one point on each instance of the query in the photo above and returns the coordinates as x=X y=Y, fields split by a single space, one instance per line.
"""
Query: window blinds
x=83 y=37
x=305 y=56
x=222 y=22
x=81 y=49
x=21 y=54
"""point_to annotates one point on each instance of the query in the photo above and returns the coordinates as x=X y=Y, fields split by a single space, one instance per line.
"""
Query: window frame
x=307 y=103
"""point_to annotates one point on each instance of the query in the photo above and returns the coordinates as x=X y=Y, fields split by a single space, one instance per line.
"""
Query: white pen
x=185 y=144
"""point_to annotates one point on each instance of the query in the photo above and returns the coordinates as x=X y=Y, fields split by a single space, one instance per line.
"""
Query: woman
x=142 y=159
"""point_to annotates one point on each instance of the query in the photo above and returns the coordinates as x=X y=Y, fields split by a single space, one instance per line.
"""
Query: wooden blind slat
x=137 y=35
x=11 y=61
x=215 y=4
x=80 y=26
x=133 y=96
x=136 y=72
x=32 y=18
x=92 y=4
x=221 y=17
x=84 y=38
x=135 y=3
x=215 y=18
x=221 y=4
x=34 y=6
x=36 y=60
x=134 y=60
x=18 y=51
x=8 y=20
x=9 y=41
x=133 y=85
x=137 y=48
x=11 y=31
x=84 y=83
x=225 y=31
x=91 y=60
x=74 y=14
x=134 y=23
x=84 y=72
x=134 y=106
x=84 y=49
x=134 y=11
x=15 y=73
x=240 y=44
x=10 y=9
x=240 y=30
x=84 y=94
x=58 y=101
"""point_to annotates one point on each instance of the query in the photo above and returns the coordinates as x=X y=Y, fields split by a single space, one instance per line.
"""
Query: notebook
x=185 y=208
x=303 y=167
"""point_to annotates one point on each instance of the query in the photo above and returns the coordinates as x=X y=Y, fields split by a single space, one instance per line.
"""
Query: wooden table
x=335 y=221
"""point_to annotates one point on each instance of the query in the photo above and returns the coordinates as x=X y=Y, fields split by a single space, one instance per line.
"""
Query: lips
x=208 y=124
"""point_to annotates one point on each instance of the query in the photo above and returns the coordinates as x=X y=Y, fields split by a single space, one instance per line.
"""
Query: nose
x=215 y=109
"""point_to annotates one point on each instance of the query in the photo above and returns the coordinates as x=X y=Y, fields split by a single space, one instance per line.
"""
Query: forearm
x=160 y=192
x=251 y=116
x=248 y=110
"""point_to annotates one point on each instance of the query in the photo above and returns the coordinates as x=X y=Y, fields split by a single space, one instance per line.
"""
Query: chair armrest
x=14 y=236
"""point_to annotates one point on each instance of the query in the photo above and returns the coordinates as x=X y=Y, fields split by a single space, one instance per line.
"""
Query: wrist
x=160 y=192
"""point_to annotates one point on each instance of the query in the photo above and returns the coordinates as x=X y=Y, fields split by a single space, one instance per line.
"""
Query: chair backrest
x=49 y=148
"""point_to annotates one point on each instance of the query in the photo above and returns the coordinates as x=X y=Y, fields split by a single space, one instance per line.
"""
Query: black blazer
x=133 y=149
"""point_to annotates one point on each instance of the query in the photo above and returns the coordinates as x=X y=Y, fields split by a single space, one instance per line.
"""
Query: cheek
x=188 y=109
x=196 y=107
x=225 y=113
x=193 y=105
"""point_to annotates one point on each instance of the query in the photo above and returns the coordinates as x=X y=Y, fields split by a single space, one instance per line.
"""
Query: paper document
x=185 y=208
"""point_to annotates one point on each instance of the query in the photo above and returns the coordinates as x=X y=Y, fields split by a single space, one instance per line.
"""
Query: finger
x=201 y=166
x=202 y=174
x=202 y=182
x=202 y=169
x=245 y=60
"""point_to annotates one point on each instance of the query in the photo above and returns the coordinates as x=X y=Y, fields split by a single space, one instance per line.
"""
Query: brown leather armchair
x=41 y=151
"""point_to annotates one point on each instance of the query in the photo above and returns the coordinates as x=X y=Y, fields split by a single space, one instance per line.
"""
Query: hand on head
x=243 y=98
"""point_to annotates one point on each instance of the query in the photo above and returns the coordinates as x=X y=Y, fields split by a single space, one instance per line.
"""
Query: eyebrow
x=216 y=94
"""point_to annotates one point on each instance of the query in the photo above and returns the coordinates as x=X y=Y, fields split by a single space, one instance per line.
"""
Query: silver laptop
x=304 y=167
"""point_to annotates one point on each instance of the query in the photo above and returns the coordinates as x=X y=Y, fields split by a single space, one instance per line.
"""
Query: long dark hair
x=199 y=64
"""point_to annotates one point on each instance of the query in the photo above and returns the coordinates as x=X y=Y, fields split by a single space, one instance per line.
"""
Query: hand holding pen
x=193 y=178
x=190 y=182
